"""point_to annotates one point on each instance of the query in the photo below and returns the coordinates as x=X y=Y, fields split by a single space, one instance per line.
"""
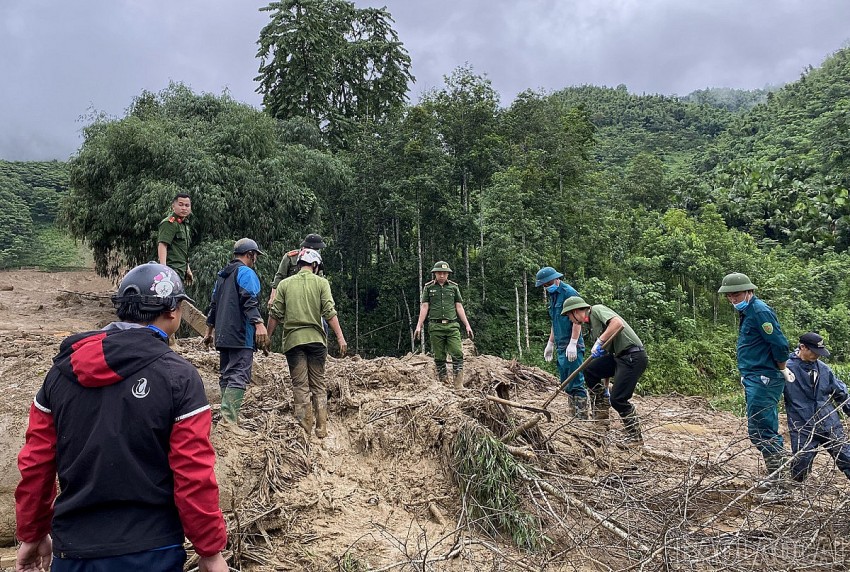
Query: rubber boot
x=458 y=380
x=631 y=422
x=320 y=408
x=303 y=413
x=442 y=376
x=580 y=404
x=231 y=403
x=772 y=463
x=776 y=486
x=601 y=409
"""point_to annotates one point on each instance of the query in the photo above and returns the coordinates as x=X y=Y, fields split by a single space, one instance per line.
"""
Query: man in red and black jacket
x=125 y=423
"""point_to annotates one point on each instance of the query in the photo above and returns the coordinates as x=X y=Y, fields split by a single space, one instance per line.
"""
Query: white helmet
x=309 y=256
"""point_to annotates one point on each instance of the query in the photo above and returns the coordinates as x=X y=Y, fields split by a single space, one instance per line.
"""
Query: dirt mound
x=414 y=476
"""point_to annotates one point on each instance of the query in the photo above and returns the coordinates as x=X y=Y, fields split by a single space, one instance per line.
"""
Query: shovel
x=580 y=369
x=542 y=411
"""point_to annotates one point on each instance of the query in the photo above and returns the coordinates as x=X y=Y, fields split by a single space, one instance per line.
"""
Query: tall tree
x=467 y=112
x=244 y=180
x=332 y=62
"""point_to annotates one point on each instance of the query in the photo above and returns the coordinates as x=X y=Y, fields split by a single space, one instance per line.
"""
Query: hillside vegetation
x=644 y=202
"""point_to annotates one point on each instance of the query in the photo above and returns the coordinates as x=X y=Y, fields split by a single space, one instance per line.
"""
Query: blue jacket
x=813 y=407
x=561 y=325
x=761 y=343
x=235 y=308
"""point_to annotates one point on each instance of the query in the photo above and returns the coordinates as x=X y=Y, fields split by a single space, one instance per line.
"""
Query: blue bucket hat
x=546 y=274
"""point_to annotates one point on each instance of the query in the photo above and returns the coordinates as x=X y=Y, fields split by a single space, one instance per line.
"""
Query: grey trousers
x=234 y=367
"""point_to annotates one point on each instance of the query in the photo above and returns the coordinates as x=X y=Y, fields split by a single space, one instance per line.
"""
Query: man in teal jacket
x=565 y=338
x=762 y=353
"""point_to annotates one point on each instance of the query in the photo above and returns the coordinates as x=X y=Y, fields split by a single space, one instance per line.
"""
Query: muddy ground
x=381 y=491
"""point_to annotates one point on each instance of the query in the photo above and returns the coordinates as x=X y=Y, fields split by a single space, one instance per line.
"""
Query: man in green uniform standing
x=302 y=302
x=762 y=352
x=442 y=303
x=173 y=239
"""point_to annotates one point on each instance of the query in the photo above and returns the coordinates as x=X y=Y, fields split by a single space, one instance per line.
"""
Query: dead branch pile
x=387 y=489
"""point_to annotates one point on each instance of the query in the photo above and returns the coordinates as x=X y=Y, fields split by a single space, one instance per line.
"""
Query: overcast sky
x=59 y=61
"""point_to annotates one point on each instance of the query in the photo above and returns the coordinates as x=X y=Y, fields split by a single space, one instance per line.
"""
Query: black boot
x=601 y=408
x=580 y=404
x=776 y=486
x=631 y=422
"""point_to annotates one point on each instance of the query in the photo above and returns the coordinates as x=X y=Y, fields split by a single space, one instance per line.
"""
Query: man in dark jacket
x=125 y=423
x=812 y=402
x=235 y=325
x=762 y=353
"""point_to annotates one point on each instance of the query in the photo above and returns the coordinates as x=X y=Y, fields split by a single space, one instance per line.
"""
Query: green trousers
x=445 y=339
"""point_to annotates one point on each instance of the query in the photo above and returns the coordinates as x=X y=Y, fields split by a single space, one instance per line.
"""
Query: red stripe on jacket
x=89 y=362
x=36 y=491
x=192 y=460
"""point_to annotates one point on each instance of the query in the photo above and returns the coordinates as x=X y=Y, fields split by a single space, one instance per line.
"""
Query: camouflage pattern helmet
x=244 y=245
x=441 y=266
x=573 y=303
x=735 y=282
x=153 y=286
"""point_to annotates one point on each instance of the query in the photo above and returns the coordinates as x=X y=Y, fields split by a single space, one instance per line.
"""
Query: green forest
x=644 y=202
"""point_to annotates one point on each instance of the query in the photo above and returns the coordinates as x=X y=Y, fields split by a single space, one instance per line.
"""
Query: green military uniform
x=175 y=232
x=288 y=267
x=600 y=316
x=443 y=324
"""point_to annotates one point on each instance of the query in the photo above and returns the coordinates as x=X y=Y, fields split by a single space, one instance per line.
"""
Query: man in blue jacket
x=762 y=355
x=565 y=340
x=235 y=325
x=812 y=404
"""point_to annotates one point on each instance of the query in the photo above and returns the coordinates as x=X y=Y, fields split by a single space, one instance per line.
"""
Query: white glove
x=572 y=351
x=549 y=351
x=789 y=375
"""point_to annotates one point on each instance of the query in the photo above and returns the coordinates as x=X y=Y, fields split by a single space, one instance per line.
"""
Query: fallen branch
x=598 y=517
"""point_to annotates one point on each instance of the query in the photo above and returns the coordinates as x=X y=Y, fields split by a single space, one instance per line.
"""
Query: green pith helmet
x=573 y=303
x=441 y=266
x=735 y=282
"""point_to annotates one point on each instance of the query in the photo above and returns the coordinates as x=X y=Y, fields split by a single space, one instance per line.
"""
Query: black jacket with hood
x=125 y=423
